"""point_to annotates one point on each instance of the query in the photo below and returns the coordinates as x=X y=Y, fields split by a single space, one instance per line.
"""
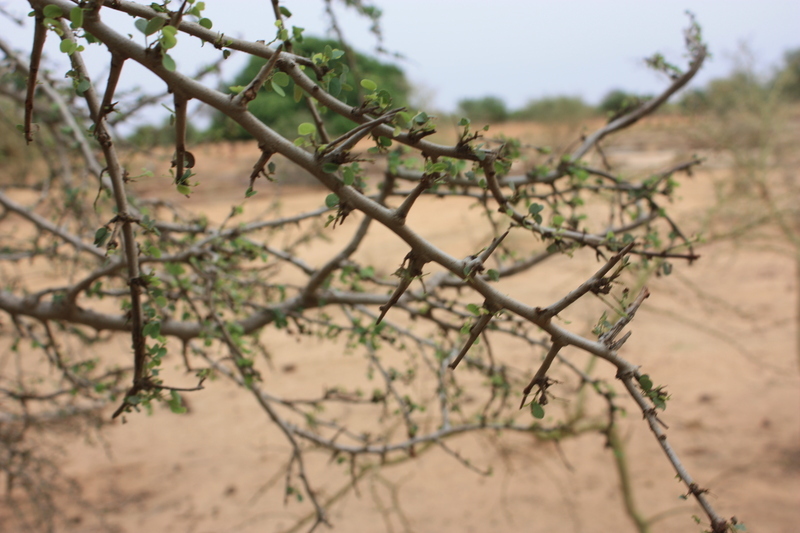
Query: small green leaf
x=250 y=192
x=52 y=11
x=421 y=118
x=493 y=274
x=332 y=200
x=66 y=46
x=168 y=37
x=83 y=86
x=535 y=209
x=206 y=23
x=281 y=78
x=335 y=87
x=153 y=25
x=306 y=128
x=474 y=309
x=369 y=84
x=141 y=24
x=175 y=403
x=646 y=383
x=277 y=88
x=330 y=168
x=101 y=235
x=184 y=189
x=348 y=176
x=285 y=12
x=168 y=63
x=537 y=410
x=76 y=17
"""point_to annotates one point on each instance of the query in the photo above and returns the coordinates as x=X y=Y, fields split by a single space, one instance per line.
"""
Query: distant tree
x=555 y=109
x=282 y=113
x=489 y=109
x=618 y=102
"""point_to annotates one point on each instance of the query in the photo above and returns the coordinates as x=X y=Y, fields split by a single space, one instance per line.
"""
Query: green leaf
x=52 y=11
x=298 y=93
x=153 y=25
x=152 y=329
x=335 y=87
x=493 y=274
x=83 y=86
x=421 y=117
x=285 y=12
x=646 y=383
x=184 y=189
x=297 y=33
x=330 y=168
x=141 y=24
x=168 y=37
x=206 y=23
x=369 y=84
x=306 y=128
x=168 y=63
x=101 y=235
x=474 y=309
x=332 y=200
x=348 y=176
x=175 y=403
x=281 y=78
x=67 y=46
x=76 y=17
x=535 y=209
x=537 y=410
x=277 y=88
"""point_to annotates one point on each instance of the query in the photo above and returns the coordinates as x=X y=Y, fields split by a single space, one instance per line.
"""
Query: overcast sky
x=517 y=50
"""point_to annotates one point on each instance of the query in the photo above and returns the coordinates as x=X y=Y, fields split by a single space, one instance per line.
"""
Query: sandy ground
x=720 y=334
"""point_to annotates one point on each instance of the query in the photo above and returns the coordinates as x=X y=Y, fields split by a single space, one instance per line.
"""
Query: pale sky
x=517 y=50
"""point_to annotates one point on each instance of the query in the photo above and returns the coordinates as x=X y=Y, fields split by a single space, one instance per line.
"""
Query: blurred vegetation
x=750 y=124
x=555 y=109
x=283 y=113
x=16 y=160
x=742 y=89
x=745 y=89
x=490 y=109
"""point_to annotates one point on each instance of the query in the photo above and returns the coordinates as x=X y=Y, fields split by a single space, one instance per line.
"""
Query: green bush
x=555 y=109
x=618 y=102
x=487 y=109
x=283 y=113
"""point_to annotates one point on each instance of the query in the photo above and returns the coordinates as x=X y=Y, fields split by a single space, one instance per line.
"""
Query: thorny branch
x=192 y=280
